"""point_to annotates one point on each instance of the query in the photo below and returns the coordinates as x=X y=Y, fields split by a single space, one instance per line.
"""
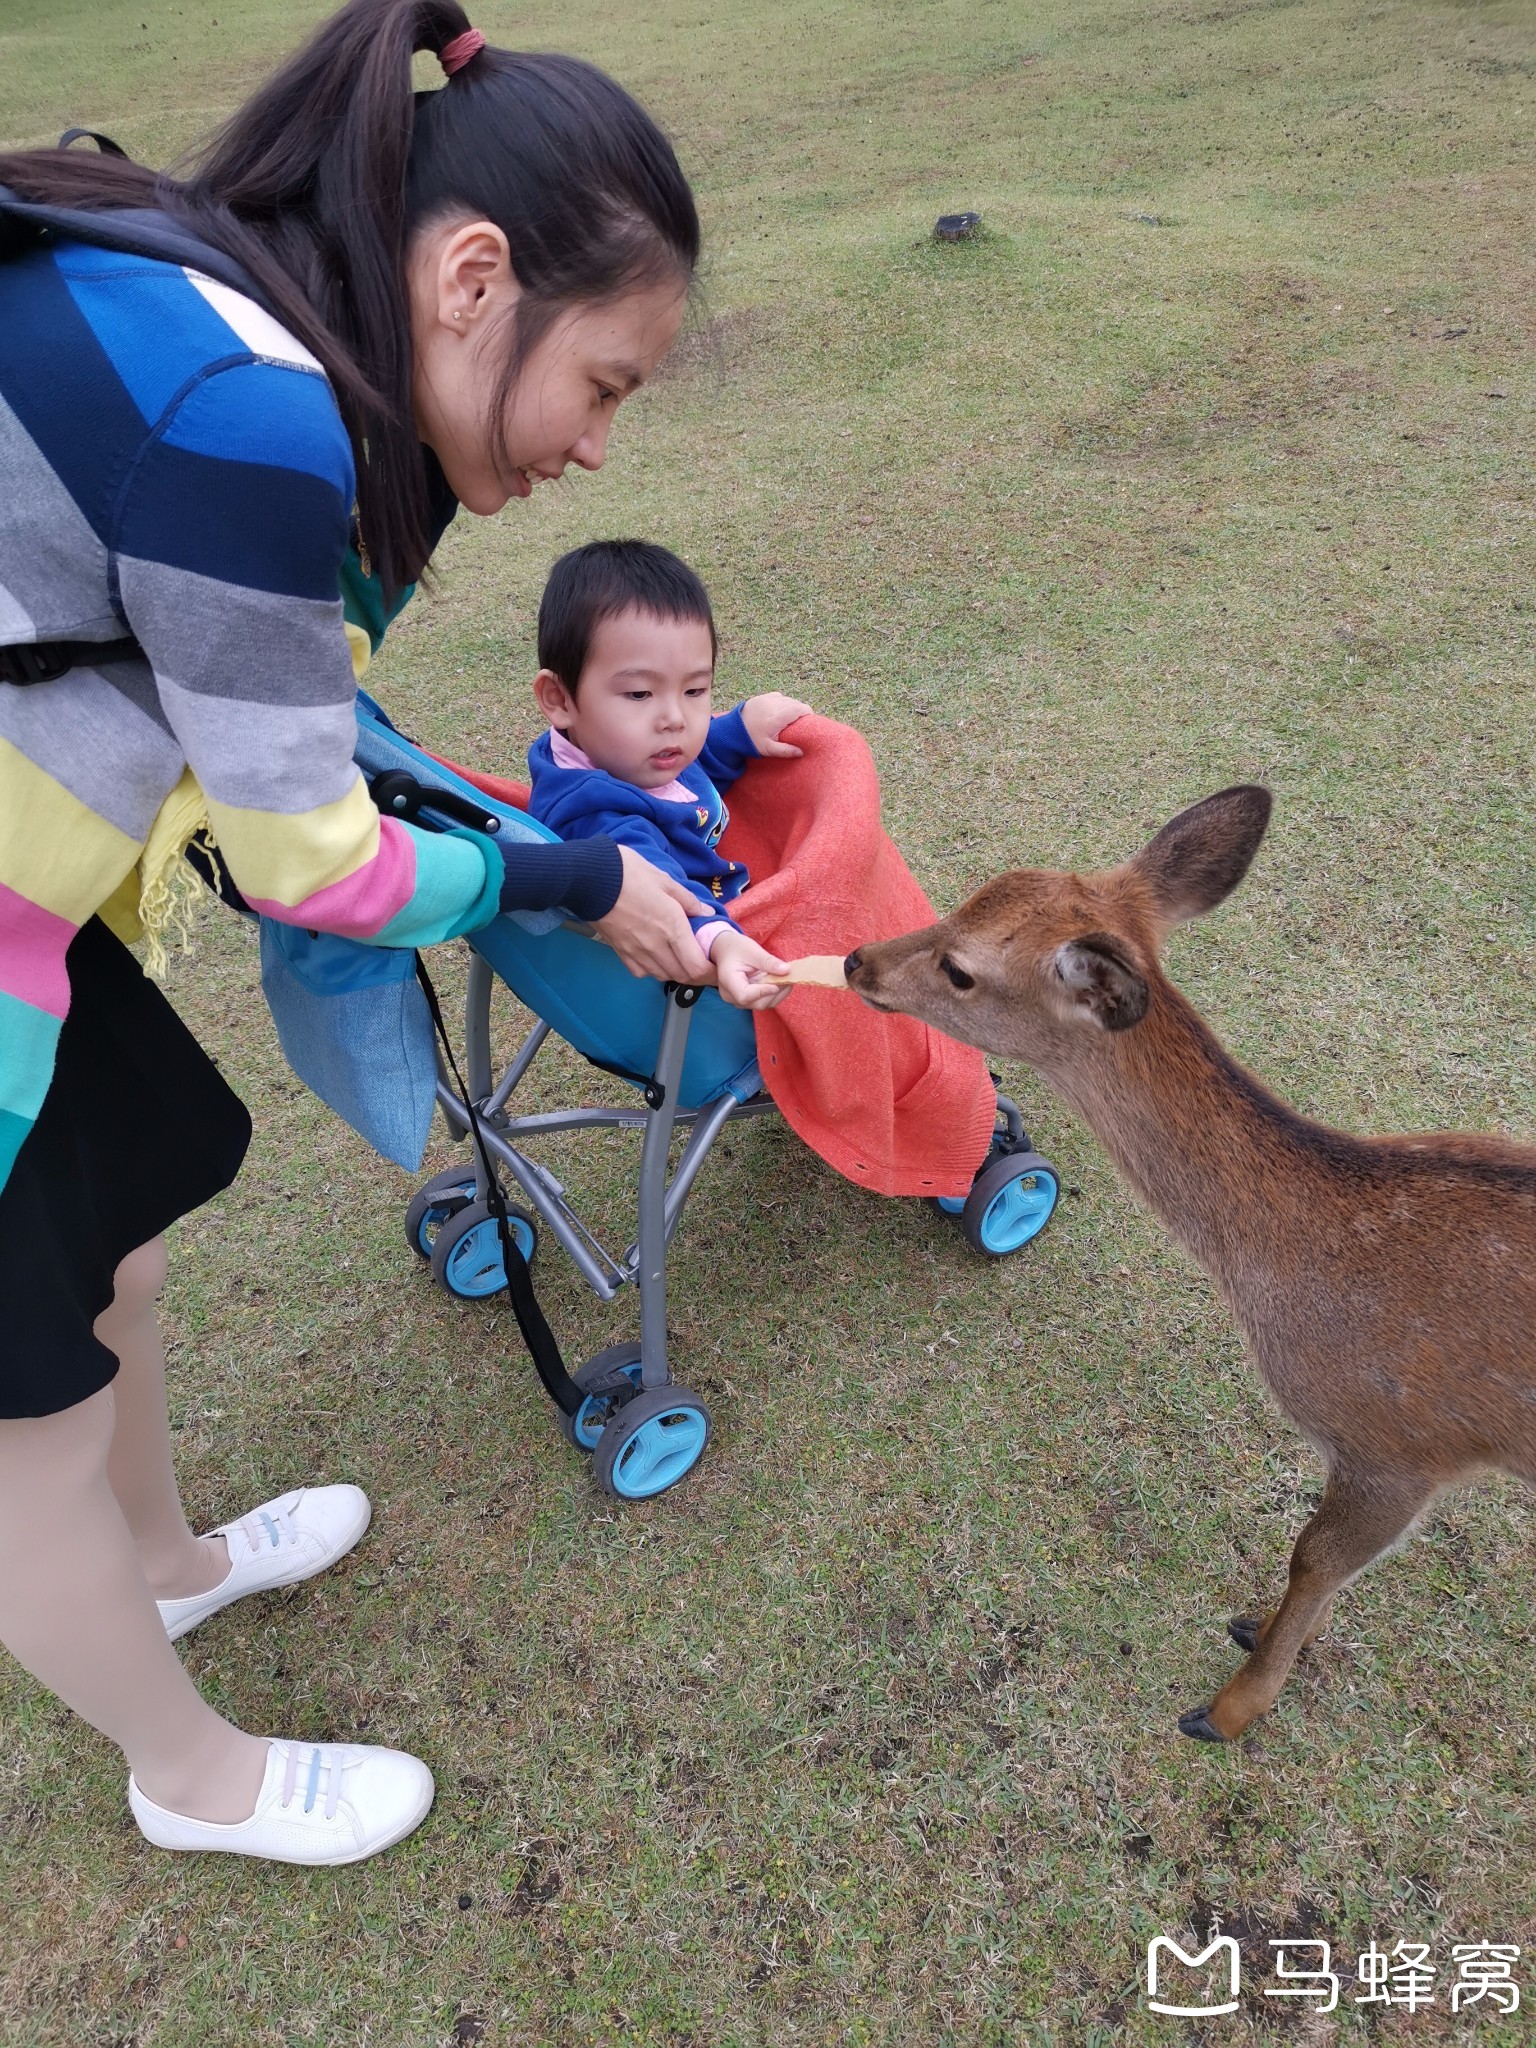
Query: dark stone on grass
x=956 y=227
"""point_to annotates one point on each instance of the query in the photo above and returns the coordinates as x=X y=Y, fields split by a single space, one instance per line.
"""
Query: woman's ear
x=557 y=703
x=473 y=275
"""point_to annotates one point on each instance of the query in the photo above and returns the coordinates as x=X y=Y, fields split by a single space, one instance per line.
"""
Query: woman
x=452 y=292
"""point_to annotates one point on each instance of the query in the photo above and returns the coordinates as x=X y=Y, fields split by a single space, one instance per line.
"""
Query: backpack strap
x=104 y=143
x=135 y=230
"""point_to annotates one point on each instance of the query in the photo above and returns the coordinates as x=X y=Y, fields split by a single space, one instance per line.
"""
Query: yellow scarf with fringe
x=155 y=900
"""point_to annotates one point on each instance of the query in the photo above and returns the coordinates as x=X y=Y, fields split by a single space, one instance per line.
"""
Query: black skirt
x=138 y=1127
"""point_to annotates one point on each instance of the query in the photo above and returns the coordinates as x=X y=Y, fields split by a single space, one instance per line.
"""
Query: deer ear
x=1200 y=856
x=1103 y=980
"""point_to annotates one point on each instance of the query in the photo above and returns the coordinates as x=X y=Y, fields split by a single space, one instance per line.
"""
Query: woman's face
x=463 y=296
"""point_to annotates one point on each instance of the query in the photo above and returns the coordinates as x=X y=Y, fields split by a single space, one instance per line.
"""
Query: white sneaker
x=277 y=1545
x=326 y=1803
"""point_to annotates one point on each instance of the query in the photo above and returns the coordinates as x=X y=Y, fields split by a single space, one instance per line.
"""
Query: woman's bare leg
x=176 y=1563
x=77 y=1611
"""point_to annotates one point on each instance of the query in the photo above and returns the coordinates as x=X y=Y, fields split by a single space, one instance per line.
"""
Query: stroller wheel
x=585 y=1427
x=466 y=1253
x=1012 y=1201
x=1002 y=1145
x=433 y=1203
x=651 y=1443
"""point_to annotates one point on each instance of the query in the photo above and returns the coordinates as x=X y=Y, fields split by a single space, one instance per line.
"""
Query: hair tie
x=455 y=55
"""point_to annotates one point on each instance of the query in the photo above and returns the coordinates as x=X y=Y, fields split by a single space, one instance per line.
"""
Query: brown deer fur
x=1386 y=1286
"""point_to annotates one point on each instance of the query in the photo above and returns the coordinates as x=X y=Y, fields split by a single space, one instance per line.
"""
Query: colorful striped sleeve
x=228 y=546
x=55 y=851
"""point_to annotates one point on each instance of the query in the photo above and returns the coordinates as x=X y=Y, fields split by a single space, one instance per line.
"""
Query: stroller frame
x=662 y=1194
x=695 y=1074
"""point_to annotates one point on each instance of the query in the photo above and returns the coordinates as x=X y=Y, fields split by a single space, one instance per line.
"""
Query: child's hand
x=743 y=969
x=765 y=718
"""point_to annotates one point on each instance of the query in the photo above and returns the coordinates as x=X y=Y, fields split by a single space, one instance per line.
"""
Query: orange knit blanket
x=892 y=1104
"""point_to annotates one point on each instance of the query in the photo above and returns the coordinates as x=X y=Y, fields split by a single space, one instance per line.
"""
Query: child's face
x=642 y=708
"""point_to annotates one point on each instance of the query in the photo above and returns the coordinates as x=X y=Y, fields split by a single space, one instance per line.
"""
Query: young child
x=626 y=666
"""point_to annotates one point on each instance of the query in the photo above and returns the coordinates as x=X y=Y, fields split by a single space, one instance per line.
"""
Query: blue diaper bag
x=352 y=1019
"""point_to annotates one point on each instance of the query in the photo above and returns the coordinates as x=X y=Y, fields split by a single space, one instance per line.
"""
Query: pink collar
x=566 y=754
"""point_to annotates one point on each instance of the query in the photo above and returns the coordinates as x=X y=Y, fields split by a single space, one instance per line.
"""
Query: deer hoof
x=1244 y=1631
x=1197 y=1725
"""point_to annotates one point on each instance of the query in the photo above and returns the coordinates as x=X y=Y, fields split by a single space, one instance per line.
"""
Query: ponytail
x=318 y=182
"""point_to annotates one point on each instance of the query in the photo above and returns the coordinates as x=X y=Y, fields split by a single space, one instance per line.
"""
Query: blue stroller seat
x=564 y=974
x=583 y=991
x=694 y=1060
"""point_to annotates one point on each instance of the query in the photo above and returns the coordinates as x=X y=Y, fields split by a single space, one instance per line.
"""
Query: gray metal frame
x=661 y=1195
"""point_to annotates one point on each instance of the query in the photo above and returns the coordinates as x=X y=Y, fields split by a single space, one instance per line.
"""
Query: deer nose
x=852 y=964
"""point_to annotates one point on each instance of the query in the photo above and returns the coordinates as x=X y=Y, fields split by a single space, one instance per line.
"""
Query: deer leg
x=1248 y=1633
x=1359 y=1517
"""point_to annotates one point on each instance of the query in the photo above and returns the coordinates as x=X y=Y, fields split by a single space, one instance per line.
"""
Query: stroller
x=692 y=1060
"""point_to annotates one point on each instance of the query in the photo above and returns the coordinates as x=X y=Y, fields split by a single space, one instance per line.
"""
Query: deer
x=1385 y=1286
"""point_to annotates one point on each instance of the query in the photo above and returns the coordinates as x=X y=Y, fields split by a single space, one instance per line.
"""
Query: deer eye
x=956 y=974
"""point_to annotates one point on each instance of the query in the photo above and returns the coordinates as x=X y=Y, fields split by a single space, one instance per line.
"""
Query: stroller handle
x=400 y=795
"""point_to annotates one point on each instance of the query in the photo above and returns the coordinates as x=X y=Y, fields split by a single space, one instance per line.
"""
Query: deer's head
x=1036 y=959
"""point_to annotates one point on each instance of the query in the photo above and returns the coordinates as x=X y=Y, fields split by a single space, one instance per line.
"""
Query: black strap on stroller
x=399 y=794
x=537 y=1335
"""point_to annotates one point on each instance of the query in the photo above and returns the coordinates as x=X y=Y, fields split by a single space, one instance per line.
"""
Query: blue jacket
x=680 y=839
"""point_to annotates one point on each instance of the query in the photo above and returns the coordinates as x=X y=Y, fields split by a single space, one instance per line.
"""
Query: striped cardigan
x=173 y=466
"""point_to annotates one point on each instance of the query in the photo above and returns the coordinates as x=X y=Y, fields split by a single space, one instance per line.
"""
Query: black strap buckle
x=29 y=663
x=44 y=661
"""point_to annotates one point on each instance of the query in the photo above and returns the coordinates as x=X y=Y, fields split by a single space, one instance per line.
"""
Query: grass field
x=1210 y=459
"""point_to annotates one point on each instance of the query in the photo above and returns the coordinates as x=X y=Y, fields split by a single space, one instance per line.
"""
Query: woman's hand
x=744 y=967
x=765 y=717
x=648 y=927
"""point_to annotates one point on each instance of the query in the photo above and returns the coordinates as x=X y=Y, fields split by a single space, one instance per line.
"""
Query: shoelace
x=319 y=1765
x=268 y=1527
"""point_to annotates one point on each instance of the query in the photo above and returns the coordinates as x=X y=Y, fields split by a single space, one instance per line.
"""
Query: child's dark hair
x=318 y=182
x=601 y=580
